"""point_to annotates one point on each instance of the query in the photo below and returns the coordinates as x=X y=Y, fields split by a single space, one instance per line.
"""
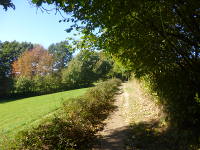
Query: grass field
x=22 y=113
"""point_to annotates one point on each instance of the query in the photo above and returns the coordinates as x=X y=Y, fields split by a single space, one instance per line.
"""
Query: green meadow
x=19 y=114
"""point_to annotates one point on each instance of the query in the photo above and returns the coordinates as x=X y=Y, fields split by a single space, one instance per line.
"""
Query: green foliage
x=178 y=93
x=103 y=66
x=150 y=35
x=120 y=71
x=52 y=83
x=86 y=68
x=72 y=75
x=37 y=85
x=75 y=126
x=24 y=85
x=9 y=52
x=6 y=85
x=6 y=4
x=82 y=71
x=179 y=98
x=62 y=53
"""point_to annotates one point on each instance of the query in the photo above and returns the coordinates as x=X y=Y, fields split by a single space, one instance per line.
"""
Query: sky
x=26 y=23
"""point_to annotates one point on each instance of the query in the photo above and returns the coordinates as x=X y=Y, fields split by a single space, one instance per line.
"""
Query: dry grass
x=144 y=107
x=149 y=130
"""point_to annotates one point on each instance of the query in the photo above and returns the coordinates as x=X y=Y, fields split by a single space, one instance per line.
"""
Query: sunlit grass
x=22 y=113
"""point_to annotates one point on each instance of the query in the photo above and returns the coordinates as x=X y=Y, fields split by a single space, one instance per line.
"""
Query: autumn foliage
x=36 y=61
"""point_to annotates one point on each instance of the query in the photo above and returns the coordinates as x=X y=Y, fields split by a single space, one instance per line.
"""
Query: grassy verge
x=74 y=127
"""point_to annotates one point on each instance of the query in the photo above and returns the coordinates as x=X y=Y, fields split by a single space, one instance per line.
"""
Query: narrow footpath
x=117 y=125
x=133 y=105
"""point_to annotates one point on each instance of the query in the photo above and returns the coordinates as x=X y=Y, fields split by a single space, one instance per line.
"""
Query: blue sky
x=26 y=23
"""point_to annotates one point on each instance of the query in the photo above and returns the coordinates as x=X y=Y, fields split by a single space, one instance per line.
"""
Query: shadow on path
x=152 y=136
x=146 y=136
x=114 y=140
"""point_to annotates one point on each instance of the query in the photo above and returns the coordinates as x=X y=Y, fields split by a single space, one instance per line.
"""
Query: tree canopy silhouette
x=6 y=4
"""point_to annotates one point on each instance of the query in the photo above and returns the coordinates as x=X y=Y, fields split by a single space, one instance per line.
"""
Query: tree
x=6 y=4
x=79 y=71
x=36 y=61
x=143 y=32
x=86 y=68
x=24 y=85
x=62 y=54
x=47 y=84
x=9 y=52
x=102 y=66
x=119 y=71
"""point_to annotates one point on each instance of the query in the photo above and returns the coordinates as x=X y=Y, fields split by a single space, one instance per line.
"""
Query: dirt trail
x=115 y=131
x=133 y=105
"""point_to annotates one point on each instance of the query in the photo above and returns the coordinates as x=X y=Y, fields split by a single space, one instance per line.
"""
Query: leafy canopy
x=62 y=53
x=9 y=52
x=151 y=35
x=36 y=61
x=6 y=4
x=86 y=68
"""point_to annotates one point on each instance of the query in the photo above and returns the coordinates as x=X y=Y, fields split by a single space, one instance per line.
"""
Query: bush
x=76 y=124
x=23 y=85
x=37 y=85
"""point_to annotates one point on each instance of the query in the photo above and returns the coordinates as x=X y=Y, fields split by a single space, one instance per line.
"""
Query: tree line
x=30 y=69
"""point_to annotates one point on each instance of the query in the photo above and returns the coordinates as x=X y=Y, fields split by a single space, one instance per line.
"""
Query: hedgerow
x=74 y=127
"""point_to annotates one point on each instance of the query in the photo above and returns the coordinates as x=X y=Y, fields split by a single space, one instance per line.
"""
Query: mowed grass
x=22 y=113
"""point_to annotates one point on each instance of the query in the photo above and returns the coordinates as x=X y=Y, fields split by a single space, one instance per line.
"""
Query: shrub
x=23 y=85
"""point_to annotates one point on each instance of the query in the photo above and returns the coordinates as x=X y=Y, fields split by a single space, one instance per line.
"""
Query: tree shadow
x=113 y=141
x=147 y=136
x=154 y=136
x=14 y=97
x=10 y=98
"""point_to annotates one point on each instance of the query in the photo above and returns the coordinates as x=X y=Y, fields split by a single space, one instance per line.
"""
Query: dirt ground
x=133 y=105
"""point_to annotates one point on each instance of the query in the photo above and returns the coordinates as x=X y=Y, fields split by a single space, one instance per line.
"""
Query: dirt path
x=133 y=106
x=117 y=125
